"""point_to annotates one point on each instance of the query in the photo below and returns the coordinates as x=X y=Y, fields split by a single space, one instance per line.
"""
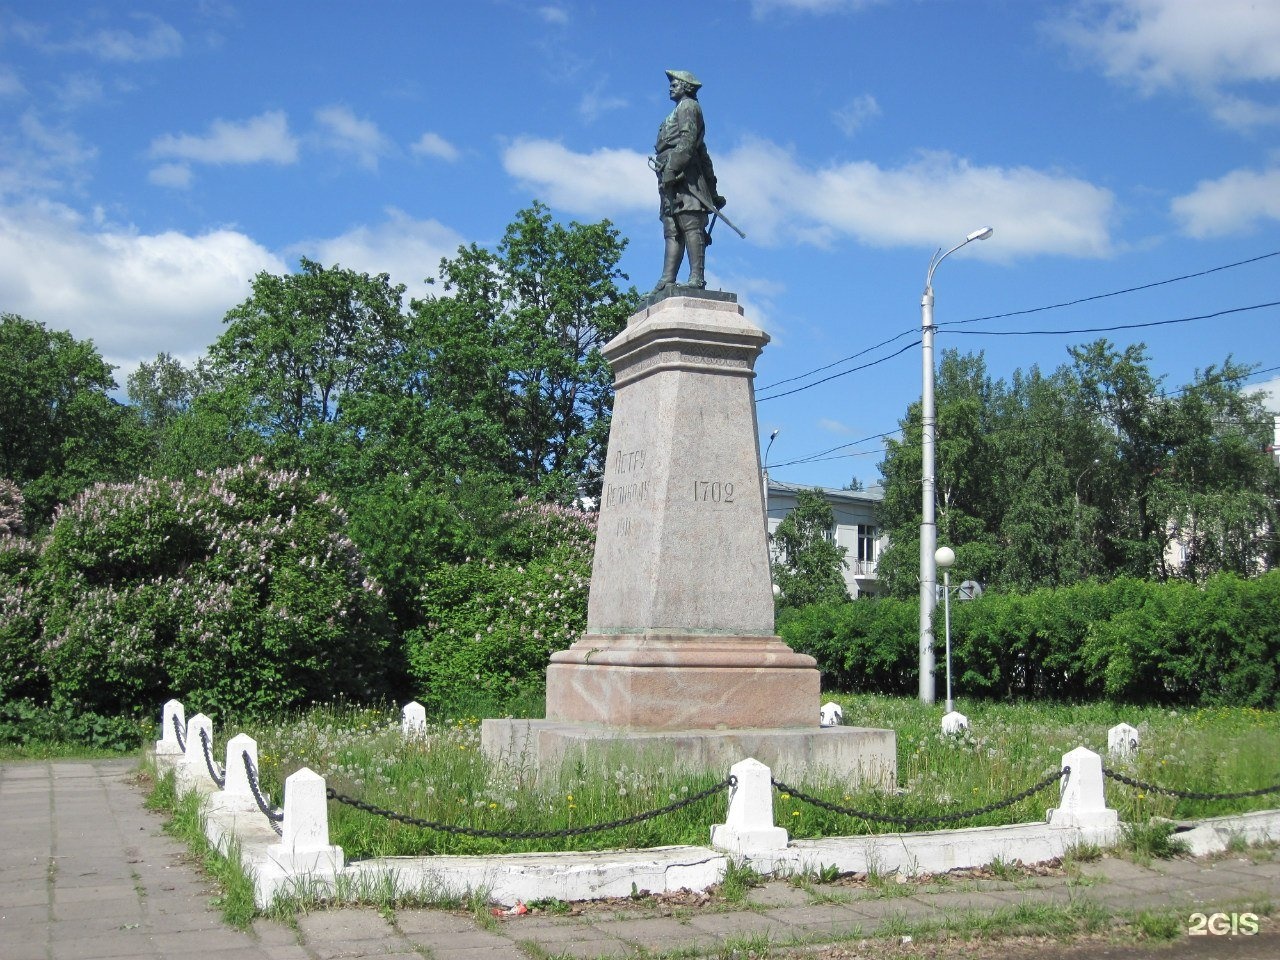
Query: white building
x=855 y=529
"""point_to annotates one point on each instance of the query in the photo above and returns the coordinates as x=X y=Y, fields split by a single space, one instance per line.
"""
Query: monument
x=679 y=657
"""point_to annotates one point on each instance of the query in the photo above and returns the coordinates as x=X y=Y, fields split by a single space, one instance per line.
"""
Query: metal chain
x=921 y=821
x=1188 y=794
x=182 y=737
x=218 y=778
x=332 y=794
x=274 y=816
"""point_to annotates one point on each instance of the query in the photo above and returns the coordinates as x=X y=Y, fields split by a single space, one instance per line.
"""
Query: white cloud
x=552 y=13
x=1231 y=204
x=132 y=294
x=1201 y=47
x=935 y=197
x=603 y=183
x=777 y=199
x=1269 y=390
x=834 y=426
x=763 y=7
x=36 y=157
x=159 y=42
x=433 y=145
x=79 y=90
x=175 y=175
x=347 y=133
x=594 y=103
x=854 y=114
x=261 y=139
x=156 y=41
x=407 y=249
x=10 y=83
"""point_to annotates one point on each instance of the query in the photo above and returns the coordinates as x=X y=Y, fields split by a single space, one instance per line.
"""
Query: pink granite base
x=664 y=682
x=853 y=756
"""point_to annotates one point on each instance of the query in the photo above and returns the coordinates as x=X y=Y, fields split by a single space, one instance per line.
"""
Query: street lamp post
x=928 y=425
x=764 y=482
x=764 y=475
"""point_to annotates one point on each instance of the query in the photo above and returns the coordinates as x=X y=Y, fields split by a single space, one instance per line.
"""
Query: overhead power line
x=832 y=453
x=842 y=373
x=1115 y=293
x=1119 y=326
x=852 y=356
x=1012 y=313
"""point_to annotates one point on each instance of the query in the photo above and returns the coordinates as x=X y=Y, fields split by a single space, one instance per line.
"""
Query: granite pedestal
x=679 y=655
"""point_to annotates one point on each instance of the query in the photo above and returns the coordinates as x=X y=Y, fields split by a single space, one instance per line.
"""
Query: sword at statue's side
x=701 y=197
x=713 y=210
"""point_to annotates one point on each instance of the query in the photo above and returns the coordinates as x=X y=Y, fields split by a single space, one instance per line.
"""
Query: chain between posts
x=275 y=817
x=693 y=798
x=220 y=779
x=182 y=737
x=922 y=821
x=1187 y=794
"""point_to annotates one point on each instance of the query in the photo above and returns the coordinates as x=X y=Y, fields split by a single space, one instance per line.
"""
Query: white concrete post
x=304 y=858
x=748 y=826
x=1083 y=803
x=306 y=813
x=191 y=769
x=1122 y=741
x=237 y=784
x=413 y=719
x=955 y=722
x=167 y=749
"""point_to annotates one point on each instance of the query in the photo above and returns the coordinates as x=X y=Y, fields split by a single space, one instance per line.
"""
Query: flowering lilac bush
x=21 y=673
x=11 y=504
x=490 y=623
x=237 y=590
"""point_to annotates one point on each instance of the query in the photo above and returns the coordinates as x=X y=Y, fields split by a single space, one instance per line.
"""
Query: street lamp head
x=982 y=233
x=944 y=557
x=774 y=436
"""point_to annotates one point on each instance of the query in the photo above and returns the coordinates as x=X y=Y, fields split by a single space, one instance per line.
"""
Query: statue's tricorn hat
x=684 y=76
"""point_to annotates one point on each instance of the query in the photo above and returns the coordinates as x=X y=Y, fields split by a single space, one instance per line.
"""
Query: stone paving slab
x=741 y=925
x=87 y=874
x=658 y=933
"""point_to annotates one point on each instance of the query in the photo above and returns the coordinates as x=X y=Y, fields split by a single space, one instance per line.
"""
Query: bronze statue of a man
x=686 y=183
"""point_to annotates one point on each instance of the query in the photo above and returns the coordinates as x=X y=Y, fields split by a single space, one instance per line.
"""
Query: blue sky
x=155 y=155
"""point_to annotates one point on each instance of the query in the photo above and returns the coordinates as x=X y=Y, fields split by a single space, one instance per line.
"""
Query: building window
x=866 y=544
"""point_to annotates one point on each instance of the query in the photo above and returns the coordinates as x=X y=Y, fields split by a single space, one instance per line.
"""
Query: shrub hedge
x=1135 y=641
x=491 y=623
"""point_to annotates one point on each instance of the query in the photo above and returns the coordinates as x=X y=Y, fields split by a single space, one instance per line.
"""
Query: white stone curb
x=302 y=861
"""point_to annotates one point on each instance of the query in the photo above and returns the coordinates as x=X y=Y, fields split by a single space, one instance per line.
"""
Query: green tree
x=513 y=352
x=1088 y=472
x=1218 y=489
x=302 y=342
x=811 y=564
x=60 y=430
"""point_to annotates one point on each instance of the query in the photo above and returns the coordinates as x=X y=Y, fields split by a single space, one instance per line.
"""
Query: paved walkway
x=86 y=873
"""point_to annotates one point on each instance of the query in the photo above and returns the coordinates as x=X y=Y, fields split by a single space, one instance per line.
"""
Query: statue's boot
x=696 y=242
x=670 y=264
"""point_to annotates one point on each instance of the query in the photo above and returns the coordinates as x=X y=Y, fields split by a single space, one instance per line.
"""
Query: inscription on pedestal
x=627 y=486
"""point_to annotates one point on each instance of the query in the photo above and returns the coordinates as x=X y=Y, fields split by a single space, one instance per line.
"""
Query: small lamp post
x=945 y=557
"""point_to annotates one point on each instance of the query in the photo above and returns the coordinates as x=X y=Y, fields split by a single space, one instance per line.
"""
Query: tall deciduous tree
x=513 y=352
x=60 y=430
x=1089 y=472
x=303 y=341
x=811 y=564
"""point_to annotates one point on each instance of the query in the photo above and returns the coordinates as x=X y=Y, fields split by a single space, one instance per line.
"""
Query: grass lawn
x=443 y=777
